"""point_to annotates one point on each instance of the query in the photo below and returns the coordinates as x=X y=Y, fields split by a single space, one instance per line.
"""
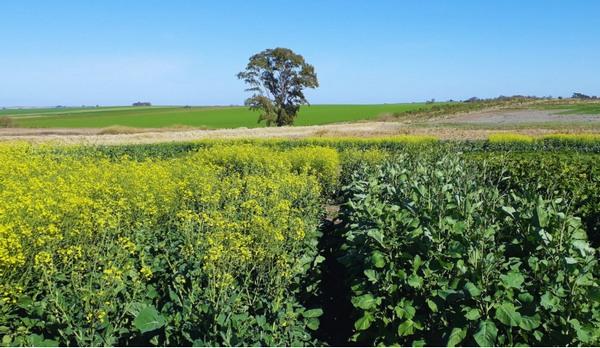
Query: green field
x=578 y=109
x=25 y=112
x=207 y=117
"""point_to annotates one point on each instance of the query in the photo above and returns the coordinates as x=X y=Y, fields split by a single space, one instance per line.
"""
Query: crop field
x=342 y=241
x=206 y=117
x=582 y=109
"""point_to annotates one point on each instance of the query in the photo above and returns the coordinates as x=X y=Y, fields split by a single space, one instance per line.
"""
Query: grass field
x=580 y=109
x=209 y=117
x=24 y=112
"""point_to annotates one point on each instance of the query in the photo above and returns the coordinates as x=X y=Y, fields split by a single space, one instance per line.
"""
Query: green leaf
x=406 y=328
x=507 y=314
x=419 y=343
x=378 y=259
x=366 y=301
x=148 y=319
x=406 y=311
x=472 y=289
x=510 y=211
x=417 y=262
x=570 y=260
x=363 y=322
x=313 y=323
x=529 y=323
x=377 y=235
x=460 y=265
x=486 y=335
x=456 y=336
x=525 y=297
x=151 y=292
x=319 y=259
x=39 y=341
x=584 y=333
x=546 y=237
x=594 y=293
x=261 y=321
x=512 y=279
x=24 y=302
x=446 y=293
x=415 y=281
x=432 y=305
x=583 y=246
x=371 y=275
x=7 y=340
x=472 y=314
x=550 y=302
x=540 y=216
x=313 y=313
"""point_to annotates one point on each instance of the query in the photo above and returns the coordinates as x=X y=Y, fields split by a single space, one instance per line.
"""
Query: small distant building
x=142 y=104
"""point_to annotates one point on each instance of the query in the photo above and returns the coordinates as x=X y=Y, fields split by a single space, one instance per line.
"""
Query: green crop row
x=589 y=143
x=441 y=252
x=572 y=175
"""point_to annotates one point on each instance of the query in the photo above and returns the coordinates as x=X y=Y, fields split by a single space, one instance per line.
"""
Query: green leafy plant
x=441 y=256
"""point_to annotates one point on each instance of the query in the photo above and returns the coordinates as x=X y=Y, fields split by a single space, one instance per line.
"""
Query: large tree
x=277 y=77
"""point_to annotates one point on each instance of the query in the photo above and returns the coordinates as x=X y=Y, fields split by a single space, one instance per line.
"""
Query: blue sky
x=188 y=52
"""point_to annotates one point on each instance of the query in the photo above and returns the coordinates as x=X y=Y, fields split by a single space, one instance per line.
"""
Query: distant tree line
x=519 y=97
x=583 y=96
x=142 y=104
x=503 y=98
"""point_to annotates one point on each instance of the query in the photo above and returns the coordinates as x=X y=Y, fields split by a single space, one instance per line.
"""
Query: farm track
x=445 y=127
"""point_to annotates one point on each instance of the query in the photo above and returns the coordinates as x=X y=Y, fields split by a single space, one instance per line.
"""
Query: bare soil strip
x=519 y=117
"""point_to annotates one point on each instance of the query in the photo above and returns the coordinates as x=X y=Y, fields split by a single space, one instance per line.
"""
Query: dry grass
x=6 y=122
x=120 y=130
x=363 y=130
x=112 y=130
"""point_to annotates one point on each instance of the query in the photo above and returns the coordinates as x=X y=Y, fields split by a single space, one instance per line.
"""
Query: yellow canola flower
x=127 y=244
x=243 y=209
x=146 y=272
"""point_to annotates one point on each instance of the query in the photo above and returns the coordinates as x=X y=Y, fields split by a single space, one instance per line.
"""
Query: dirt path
x=361 y=129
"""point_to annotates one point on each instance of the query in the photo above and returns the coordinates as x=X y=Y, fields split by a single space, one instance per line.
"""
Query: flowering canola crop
x=97 y=250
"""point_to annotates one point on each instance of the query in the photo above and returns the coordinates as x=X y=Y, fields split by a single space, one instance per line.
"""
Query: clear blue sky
x=188 y=52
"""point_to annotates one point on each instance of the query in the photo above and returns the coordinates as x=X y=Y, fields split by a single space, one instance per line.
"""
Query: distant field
x=12 y=112
x=209 y=117
x=580 y=109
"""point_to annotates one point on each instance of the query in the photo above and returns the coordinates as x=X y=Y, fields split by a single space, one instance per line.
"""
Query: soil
x=503 y=117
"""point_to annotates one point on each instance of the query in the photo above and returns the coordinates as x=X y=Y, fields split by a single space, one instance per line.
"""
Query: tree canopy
x=277 y=78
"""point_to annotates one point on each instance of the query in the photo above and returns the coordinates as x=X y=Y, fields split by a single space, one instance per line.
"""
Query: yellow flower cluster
x=510 y=138
x=575 y=138
x=245 y=209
